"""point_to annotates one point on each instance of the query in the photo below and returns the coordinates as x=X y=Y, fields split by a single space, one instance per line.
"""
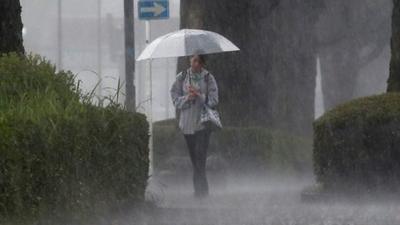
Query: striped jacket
x=189 y=120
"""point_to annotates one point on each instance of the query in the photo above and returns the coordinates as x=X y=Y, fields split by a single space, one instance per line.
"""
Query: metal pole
x=99 y=50
x=150 y=110
x=130 y=101
x=59 y=35
x=167 y=108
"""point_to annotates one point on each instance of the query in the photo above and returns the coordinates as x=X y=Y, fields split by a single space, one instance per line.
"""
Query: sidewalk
x=259 y=203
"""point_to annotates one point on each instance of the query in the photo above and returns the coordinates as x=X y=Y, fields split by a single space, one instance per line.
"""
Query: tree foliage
x=356 y=145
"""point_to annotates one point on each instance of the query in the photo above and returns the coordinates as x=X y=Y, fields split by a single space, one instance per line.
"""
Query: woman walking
x=192 y=90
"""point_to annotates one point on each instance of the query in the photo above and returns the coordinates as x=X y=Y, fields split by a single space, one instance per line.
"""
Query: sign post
x=129 y=27
x=151 y=10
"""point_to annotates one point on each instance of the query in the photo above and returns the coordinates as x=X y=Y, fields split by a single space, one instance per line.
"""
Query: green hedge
x=356 y=145
x=252 y=149
x=61 y=158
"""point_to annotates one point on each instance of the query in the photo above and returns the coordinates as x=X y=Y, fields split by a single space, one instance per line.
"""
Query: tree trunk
x=345 y=30
x=11 y=27
x=339 y=73
x=394 y=77
x=271 y=81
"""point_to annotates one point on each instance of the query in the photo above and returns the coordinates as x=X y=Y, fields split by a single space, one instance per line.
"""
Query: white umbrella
x=187 y=42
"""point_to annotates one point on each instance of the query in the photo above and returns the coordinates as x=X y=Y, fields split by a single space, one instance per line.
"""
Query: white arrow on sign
x=157 y=9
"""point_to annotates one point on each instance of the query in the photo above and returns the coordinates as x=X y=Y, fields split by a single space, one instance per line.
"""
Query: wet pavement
x=256 y=202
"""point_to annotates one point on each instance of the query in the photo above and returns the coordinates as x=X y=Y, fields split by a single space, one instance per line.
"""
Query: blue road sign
x=153 y=9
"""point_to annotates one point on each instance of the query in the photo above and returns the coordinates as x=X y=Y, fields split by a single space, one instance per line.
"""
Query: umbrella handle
x=190 y=78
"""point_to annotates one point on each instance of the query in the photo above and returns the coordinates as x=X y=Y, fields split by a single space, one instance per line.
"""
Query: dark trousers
x=198 y=145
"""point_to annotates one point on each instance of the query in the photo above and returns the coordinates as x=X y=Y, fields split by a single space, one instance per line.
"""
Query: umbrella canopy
x=187 y=42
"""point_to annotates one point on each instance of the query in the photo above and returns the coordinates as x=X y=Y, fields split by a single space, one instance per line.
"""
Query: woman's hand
x=193 y=93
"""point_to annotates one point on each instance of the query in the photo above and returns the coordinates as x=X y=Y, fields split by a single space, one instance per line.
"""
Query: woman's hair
x=202 y=59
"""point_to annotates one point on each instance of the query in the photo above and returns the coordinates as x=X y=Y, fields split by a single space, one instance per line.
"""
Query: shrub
x=356 y=145
x=61 y=158
x=253 y=149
